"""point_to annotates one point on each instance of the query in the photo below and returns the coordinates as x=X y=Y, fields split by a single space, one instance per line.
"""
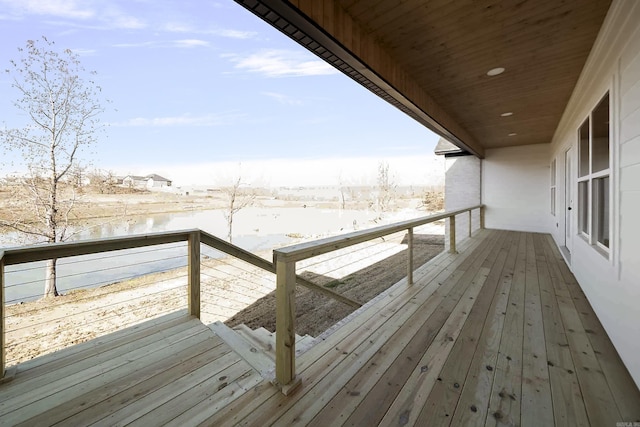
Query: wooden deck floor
x=499 y=334
x=145 y=375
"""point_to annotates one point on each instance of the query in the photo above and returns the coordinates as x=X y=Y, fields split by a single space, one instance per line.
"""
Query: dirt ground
x=315 y=312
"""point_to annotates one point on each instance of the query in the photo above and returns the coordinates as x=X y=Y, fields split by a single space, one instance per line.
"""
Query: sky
x=198 y=90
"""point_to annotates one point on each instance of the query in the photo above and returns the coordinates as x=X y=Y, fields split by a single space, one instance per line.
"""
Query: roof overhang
x=430 y=59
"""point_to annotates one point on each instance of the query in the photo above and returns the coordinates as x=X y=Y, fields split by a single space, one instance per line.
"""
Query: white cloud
x=127 y=22
x=84 y=52
x=282 y=98
x=234 y=34
x=107 y=15
x=175 y=27
x=61 y=8
x=5 y=17
x=183 y=120
x=191 y=43
x=185 y=43
x=281 y=63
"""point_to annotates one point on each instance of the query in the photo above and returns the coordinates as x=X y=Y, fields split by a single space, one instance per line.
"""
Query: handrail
x=318 y=247
x=193 y=237
x=13 y=256
x=285 y=261
x=87 y=247
x=237 y=252
x=67 y=249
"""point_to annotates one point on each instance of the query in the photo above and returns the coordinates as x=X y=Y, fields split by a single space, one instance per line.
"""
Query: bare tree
x=237 y=198
x=76 y=177
x=103 y=181
x=386 y=188
x=63 y=111
x=343 y=189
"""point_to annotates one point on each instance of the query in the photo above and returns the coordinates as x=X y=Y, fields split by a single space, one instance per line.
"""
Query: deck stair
x=257 y=346
x=266 y=341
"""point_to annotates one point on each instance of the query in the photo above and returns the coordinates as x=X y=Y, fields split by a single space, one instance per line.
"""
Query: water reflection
x=255 y=229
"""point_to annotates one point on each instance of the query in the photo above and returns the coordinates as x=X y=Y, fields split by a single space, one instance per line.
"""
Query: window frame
x=590 y=178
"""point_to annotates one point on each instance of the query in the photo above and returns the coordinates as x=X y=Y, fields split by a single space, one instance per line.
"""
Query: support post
x=481 y=217
x=194 y=273
x=452 y=234
x=470 y=222
x=286 y=325
x=2 y=331
x=410 y=256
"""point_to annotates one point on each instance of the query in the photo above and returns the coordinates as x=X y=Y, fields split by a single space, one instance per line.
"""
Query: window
x=553 y=187
x=593 y=176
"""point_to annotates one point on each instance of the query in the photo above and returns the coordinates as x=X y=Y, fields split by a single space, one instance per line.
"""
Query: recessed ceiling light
x=512 y=134
x=495 y=71
x=507 y=114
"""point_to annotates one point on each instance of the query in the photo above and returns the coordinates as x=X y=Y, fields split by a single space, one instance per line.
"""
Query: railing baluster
x=452 y=234
x=286 y=325
x=194 y=273
x=410 y=256
x=469 y=223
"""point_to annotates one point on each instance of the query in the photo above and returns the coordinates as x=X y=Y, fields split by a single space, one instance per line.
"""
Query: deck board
x=498 y=334
x=506 y=392
x=150 y=373
x=621 y=384
x=473 y=404
x=568 y=402
x=334 y=368
x=537 y=408
x=102 y=398
x=455 y=307
x=444 y=397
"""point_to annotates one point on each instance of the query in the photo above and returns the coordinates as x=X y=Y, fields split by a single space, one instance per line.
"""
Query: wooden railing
x=193 y=237
x=285 y=266
x=70 y=249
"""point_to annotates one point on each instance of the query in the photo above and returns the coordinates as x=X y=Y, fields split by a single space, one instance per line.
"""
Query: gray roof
x=445 y=147
x=156 y=177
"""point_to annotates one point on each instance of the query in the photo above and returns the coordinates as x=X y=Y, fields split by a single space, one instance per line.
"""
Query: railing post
x=286 y=325
x=410 y=256
x=2 y=331
x=194 y=273
x=470 y=222
x=452 y=234
x=481 y=217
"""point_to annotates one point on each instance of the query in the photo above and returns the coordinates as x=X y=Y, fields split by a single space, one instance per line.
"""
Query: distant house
x=156 y=181
x=134 y=181
x=149 y=181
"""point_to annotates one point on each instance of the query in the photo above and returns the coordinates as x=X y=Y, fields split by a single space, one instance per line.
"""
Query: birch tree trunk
x=64 y=109
x=50 y=288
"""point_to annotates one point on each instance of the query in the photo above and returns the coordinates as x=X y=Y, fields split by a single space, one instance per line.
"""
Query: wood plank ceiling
x=446 y=47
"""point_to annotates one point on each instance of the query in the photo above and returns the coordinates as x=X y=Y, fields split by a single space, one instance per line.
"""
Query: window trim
x=589 y=179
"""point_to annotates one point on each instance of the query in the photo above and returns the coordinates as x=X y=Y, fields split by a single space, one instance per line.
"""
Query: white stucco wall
x=611 y=281
x=515 y=183
x=462 y=189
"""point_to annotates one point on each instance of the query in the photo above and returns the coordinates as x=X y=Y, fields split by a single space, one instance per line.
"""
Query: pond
x=255 y=229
